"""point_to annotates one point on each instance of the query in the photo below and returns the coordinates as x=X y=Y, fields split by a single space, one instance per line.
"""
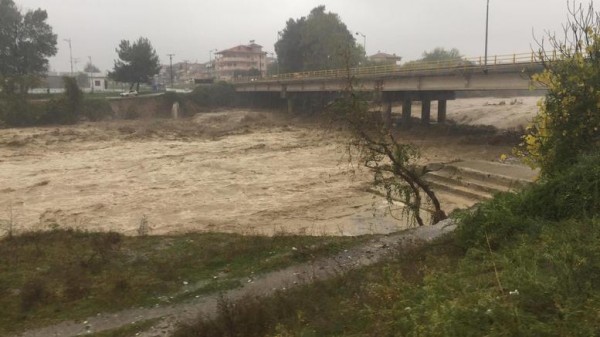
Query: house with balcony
x=241 y=61
x=385 y=58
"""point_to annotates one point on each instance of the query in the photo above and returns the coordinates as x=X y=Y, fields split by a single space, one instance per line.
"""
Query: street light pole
x=364 y=41
x=487 y=16
x=171 y=67
x=70 y=54
x=91 y=75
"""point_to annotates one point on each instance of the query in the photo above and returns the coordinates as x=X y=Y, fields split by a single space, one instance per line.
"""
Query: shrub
x=65 y=109
x=220 y=94
x=568 y=123
x=17 y=111
x=96 y=109
x=34 y=292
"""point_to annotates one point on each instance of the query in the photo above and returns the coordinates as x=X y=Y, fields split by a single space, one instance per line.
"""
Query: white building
x=98 y=82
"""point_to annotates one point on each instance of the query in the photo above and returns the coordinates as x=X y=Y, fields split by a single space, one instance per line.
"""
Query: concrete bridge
x=424 y=82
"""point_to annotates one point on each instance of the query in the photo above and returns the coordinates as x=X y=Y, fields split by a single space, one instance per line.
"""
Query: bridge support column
x=441 y=111
x=406 y=112
x=387 y=114
x=290 y=105
x=426 y=111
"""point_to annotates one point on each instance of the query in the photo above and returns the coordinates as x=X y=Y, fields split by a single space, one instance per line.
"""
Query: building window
x=97 y=83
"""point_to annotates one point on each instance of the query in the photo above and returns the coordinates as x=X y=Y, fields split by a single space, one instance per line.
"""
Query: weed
x=33 y=293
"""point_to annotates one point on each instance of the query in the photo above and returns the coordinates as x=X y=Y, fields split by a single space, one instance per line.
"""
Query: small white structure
x=98 y=82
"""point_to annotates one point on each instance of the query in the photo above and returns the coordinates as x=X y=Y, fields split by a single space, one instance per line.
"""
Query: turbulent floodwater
x=273 y=179
x=234 y=171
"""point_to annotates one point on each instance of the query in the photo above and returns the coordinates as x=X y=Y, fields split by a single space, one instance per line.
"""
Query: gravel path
x=266 y=284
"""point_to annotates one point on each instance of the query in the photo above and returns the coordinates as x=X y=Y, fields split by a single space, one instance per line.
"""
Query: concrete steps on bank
x=465 y=183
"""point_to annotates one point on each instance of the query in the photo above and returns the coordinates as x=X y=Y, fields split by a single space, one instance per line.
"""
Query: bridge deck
x=513 y=76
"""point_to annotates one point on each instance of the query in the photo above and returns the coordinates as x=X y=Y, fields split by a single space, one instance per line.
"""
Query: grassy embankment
x=46 y=277
x=522 y=264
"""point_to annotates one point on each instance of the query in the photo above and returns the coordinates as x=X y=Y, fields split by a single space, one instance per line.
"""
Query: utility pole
x=171 y=62
x=487 y=17
x=91 y=76
x=70 y=54
x=212 y=64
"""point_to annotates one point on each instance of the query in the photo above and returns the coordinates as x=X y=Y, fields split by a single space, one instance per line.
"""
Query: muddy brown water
x=234 y=171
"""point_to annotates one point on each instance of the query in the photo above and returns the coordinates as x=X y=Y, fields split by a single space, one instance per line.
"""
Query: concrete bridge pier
x=406 y=111
x=387 y=114
x=290 y=104
x=426 y=111
x=441 y=111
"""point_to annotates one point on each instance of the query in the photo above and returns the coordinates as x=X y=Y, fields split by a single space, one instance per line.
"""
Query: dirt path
x=364 y=255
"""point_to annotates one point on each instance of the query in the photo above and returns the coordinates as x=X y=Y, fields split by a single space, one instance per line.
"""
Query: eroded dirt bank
x=235 y=171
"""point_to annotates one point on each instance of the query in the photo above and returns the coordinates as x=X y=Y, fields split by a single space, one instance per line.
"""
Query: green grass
x=343 y=306
x=46 y=277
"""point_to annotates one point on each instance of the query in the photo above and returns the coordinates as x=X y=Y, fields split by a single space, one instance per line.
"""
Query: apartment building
x=241 y=61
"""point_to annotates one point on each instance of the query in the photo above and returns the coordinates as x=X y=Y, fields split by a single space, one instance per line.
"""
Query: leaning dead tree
x=375 y=144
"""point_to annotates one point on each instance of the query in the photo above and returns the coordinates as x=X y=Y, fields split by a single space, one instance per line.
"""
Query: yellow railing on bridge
x=407 y=68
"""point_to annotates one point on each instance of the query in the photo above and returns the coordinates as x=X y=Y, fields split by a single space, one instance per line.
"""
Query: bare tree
x=375 y=144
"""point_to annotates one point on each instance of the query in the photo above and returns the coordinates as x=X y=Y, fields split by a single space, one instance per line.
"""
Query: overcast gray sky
x=190 y=28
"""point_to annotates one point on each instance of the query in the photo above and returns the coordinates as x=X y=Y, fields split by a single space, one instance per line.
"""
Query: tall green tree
x=137 y=63
x=319 y=41
x=26 y=43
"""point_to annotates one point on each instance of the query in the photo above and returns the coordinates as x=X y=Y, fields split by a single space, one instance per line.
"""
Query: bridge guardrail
x=407 y=68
